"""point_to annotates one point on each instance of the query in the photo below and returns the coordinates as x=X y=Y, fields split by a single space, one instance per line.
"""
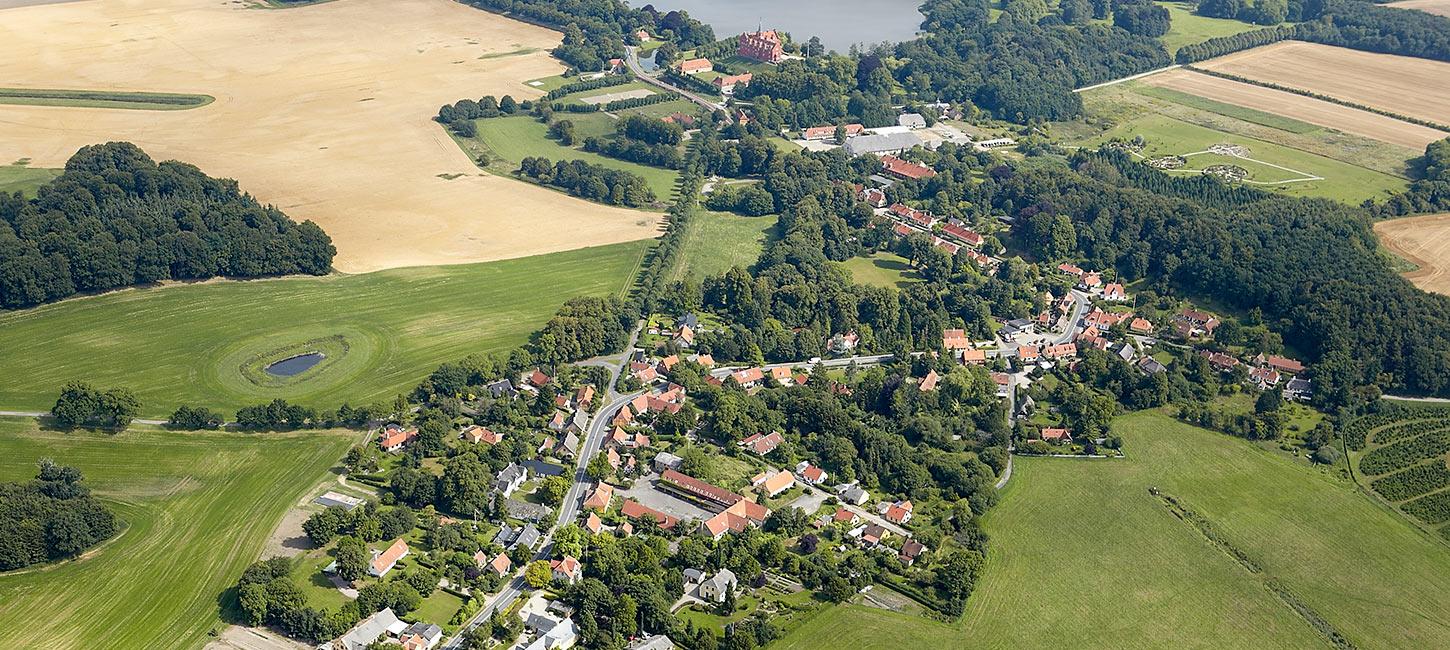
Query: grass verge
x=103 y=99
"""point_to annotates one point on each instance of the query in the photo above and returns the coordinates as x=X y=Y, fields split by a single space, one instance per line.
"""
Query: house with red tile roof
x=1114 y=292
x=1282 y=364
x=813 y=475
x=749 y=377
x=761 y=444
x=1140 y=326
x=965 y=235
x=1028 y=353
x=872 y=196
x=726 y=83
x=828 y=132
x=905 y=169
x=898 y=513
x=903 y=230
x=955 y=339
x=765 y=46
x=384 y=561
x=599 y=499
x=593 y=523
x=537 y=378
x=845 y=516
x=636 y=511
x=929 y=382
x=773 y=484
x=500 y=565
x=685 y=336
x=1060 y=350
x=1266 y=378
x=695 y=66
x=978 y=357
x=566 y=569
x=477 y=434
x=1090 y=280
x=1056 y=434
x=394 y=437
x=1069 y=269
x=736 y=518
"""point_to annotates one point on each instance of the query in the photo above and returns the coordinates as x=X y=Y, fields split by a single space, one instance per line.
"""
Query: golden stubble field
x=1424 y=241
x=322 y=110
x=1440 y=7
x=1418 y=88
x=1314 y=111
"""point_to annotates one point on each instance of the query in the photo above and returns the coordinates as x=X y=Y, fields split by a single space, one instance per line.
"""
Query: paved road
x=632 y=60
x=1140 y=75
x=1079 y=304
x=568 y=510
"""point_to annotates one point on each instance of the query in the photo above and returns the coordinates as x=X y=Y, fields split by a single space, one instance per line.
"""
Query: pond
x=839 y=23
x=292 y=366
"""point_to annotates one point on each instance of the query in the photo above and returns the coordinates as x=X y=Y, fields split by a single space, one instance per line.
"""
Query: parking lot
x=645 y=492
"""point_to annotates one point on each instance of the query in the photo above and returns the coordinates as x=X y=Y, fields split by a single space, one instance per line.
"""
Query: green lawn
x=316 y=586
x=103 y=99
x=881 y=269
x=190 y=344
x=17 y=177
x=511 y=139
x=1229 y=110
x=1188 y=28
x=437 y=609
x=716 y=241
x=198 y=508
x=1341 y=180
x=1082 y=555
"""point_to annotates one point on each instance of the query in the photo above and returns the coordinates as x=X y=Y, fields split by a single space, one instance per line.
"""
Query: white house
x=714 y=588
x=510 y=479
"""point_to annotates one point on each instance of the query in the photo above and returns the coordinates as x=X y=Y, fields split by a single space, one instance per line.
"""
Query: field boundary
x=131 y=100
x=1319 y=96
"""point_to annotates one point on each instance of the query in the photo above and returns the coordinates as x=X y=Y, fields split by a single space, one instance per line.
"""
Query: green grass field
x=1341 y=180
x=881 y=269
x=17 y=177
x=103 y=99
x=511 y=139
x=1229 y=110
x=1188 y=28
x=189 y=344
x=717 y=241
x=198 y=509
x=1082 y=555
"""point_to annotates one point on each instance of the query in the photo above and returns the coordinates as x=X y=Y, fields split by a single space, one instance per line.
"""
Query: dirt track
x=1415 y=87
x=1299 y=107
x=322 y=110
x=1424 y=241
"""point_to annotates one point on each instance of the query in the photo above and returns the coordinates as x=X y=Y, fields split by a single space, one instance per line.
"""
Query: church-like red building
x=763 y=45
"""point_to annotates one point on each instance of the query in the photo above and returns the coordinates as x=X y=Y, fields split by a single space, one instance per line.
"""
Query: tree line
x=1344 y=23
x=590 y=181
x=116 y=218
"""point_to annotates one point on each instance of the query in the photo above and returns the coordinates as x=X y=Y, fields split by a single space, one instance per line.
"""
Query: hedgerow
x=1405 y=453
x=1432 y=509
x=1410 y=483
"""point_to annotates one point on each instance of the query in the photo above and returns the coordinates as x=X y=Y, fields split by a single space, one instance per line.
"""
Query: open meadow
x=1314 y=111
x=716 y=241
x=513 y=138
x=1187 y=28
x=204 y=344
x=1424 y=242
x=314 y=113
x=24 y=179
x=198 y=508
x=1084 y=556
x=881 y=270
x=1419 y=88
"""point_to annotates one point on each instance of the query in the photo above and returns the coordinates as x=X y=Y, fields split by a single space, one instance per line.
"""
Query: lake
x=839 y=23
x=293 y=366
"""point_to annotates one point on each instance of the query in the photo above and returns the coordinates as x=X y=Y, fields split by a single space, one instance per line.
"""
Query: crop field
x=103 y=99
x=198 y=508
x=1294 y=107
x=1267 y=165
x=1418 y=88
x=1438 y=7
x=1424 y=242
x=1083 y=555
x=511 y=139
x=313 y=113
x=717 y=241
x=198 y=344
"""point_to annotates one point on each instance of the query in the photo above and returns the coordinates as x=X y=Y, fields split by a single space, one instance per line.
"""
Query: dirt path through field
x=1299 y=107
x=1409 y=86
x=322 y=110
x=1425 y=241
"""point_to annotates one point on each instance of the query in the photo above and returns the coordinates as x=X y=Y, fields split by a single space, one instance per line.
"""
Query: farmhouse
x=736 y=518
x=695 y=66
x=828 y=132
x=762 y=444
x=764 y=45
x=636 y=511
x=726 y=83
x=1281 y=364
x=476 y=434
x=394 y=437
x=384 y=561
x=774 y=484
x=905 y=169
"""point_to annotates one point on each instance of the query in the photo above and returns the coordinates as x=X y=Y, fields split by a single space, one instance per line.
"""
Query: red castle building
x=764 y=45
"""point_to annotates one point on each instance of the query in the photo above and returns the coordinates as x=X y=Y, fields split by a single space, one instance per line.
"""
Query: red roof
x=902 y=229
x=955 y=339
x=761 y=443
x=1285 y=364
x=636 y=510
x=388 y=558
x=1056 y=434
x=695 y=65
x=733 y=79
x=967 y=236
x=813 y=474
x=538 y=378
x=701 y=489
x=394 y=436
x=819 y=132
x=906 y=168
x=1069 y=269
x=929 y=381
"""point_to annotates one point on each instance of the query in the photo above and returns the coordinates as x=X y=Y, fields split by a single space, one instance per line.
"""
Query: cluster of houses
x=385 y=624
x=951 y=235
x=765 y=46
x=1266 y=371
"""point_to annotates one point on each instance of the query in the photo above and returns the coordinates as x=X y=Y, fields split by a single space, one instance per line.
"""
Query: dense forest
x=596 y=31
x=115 y=218
x=1345 y=23
x=52 y=517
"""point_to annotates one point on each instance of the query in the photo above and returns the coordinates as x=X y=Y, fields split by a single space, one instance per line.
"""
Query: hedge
x=1410 y=483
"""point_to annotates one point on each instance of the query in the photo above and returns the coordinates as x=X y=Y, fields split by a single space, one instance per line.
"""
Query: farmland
x=513 y=138
x=1187 y=27
x=1071 y=535
x=1424 y=242
x=313 y=113
x=1404 y=461
x=198 y=508
x=1298 y=107
x=103 y=99
x=1419 y=88
x=192 y=343
x=716 y=241
x=22 y=178
x=1438 y=7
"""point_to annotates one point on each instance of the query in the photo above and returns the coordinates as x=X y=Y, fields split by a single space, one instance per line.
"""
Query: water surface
x=293 y=366
x=839 y=23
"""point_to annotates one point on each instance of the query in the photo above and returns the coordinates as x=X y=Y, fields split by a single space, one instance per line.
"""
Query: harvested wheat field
x=1424 y=241
x=1439 y=7
x=322 y=110
x=1314 y=111
x=1418 y=88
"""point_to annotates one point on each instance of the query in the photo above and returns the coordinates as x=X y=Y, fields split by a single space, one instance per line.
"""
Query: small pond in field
x=292 y=366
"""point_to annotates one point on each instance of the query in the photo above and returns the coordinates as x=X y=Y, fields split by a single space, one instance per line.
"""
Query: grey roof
x=580 y=419
x=913 y=120
x=723 y=580
x=1151 y=366
x=338 y=500
x=1126 y=353
x=426 y=630
x=527 y=537
x=690 y=320
x=570 y=443
x=656 y=642
x=513 y=472
x=1297 y=385
x=502 y=387
x=541 y=468
x=693 y=575
x=668 y=459
x=367 y=631
x=505 y=535
x=881 y=143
